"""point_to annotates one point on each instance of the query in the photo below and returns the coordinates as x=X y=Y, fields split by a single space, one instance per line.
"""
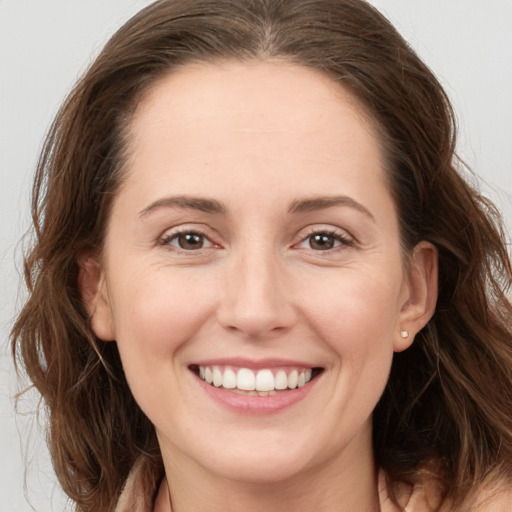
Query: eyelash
x=342 y=240
x=167 y=238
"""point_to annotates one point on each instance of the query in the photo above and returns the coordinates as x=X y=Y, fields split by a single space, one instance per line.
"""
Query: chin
x=260 y=470
x=264 y=457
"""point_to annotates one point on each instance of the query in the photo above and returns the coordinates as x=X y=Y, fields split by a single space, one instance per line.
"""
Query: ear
x=420 y=295
x=94 y=293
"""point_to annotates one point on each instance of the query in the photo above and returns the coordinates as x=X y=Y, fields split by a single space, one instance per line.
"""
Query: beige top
x=423 y=497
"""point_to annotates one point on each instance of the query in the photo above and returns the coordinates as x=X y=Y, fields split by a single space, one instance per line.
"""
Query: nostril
x=257 y=329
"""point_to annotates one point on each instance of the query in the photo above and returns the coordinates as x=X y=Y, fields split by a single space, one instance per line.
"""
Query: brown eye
x=325 y=241
x=189 y=241
x=322 y=241
x=186 y=241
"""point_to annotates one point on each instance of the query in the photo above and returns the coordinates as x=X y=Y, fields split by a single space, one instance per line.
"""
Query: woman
x=259 y=279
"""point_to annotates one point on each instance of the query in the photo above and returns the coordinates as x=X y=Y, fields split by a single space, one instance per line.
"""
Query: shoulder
x=493 y=497
x=428 y=495
x=141 y=487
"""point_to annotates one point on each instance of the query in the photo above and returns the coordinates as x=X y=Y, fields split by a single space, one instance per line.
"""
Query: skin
x=257 y=138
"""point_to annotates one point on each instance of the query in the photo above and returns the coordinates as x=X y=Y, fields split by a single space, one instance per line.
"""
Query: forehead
x=272 y=80
x=253 y=95
x=243 y=118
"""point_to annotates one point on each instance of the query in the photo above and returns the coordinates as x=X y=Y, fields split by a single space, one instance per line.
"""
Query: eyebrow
x=190 y=202
x=322 y=202
x=213 y=206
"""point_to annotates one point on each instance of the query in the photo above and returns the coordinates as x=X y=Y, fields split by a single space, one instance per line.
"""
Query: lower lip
x=248 y=404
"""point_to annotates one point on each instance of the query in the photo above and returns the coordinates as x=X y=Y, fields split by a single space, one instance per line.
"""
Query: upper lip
x=243 y=362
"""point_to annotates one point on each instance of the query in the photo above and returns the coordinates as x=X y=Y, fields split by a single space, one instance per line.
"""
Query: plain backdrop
x=46 y=44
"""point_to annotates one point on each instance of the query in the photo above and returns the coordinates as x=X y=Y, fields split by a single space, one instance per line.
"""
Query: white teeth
x=281 y=380
x=293 y=379
x=229 y=379
x=245 y=380
x=264 y=380
x=217 y=377
x=255 y=382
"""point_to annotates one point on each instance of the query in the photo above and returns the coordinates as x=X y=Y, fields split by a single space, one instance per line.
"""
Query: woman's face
x=255 y=242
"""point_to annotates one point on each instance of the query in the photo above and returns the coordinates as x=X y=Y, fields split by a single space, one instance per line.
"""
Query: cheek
x=356 y=314
x=355 y=301
x=155 y=313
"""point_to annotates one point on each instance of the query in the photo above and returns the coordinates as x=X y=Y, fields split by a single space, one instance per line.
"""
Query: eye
x=325 y=241
x=186 y=240
x=322 y=241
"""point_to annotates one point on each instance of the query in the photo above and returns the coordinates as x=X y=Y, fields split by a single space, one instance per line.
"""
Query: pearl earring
x=404 y=334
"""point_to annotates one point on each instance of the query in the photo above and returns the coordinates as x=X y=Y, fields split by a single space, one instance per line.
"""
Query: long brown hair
x=449 y=397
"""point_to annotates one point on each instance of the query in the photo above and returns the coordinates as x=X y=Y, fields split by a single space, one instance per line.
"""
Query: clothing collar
x=146 y=486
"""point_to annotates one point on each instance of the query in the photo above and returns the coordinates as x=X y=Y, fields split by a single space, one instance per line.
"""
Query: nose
x=256 y=298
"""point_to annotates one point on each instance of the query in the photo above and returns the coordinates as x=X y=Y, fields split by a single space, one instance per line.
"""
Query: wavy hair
x=449 y=397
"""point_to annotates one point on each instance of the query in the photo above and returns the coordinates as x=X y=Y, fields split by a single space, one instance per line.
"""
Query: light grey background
x=46 y=44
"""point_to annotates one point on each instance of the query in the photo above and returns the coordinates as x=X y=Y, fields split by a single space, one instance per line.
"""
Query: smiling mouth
x=261 y=382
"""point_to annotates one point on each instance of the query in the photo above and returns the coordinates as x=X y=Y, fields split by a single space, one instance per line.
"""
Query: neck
x=345 y=482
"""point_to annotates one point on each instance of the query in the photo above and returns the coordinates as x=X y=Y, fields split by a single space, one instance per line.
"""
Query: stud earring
x=404 y=334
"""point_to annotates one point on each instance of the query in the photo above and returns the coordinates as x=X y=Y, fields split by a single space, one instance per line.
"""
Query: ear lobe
x=93 y=291
x=421 y=297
